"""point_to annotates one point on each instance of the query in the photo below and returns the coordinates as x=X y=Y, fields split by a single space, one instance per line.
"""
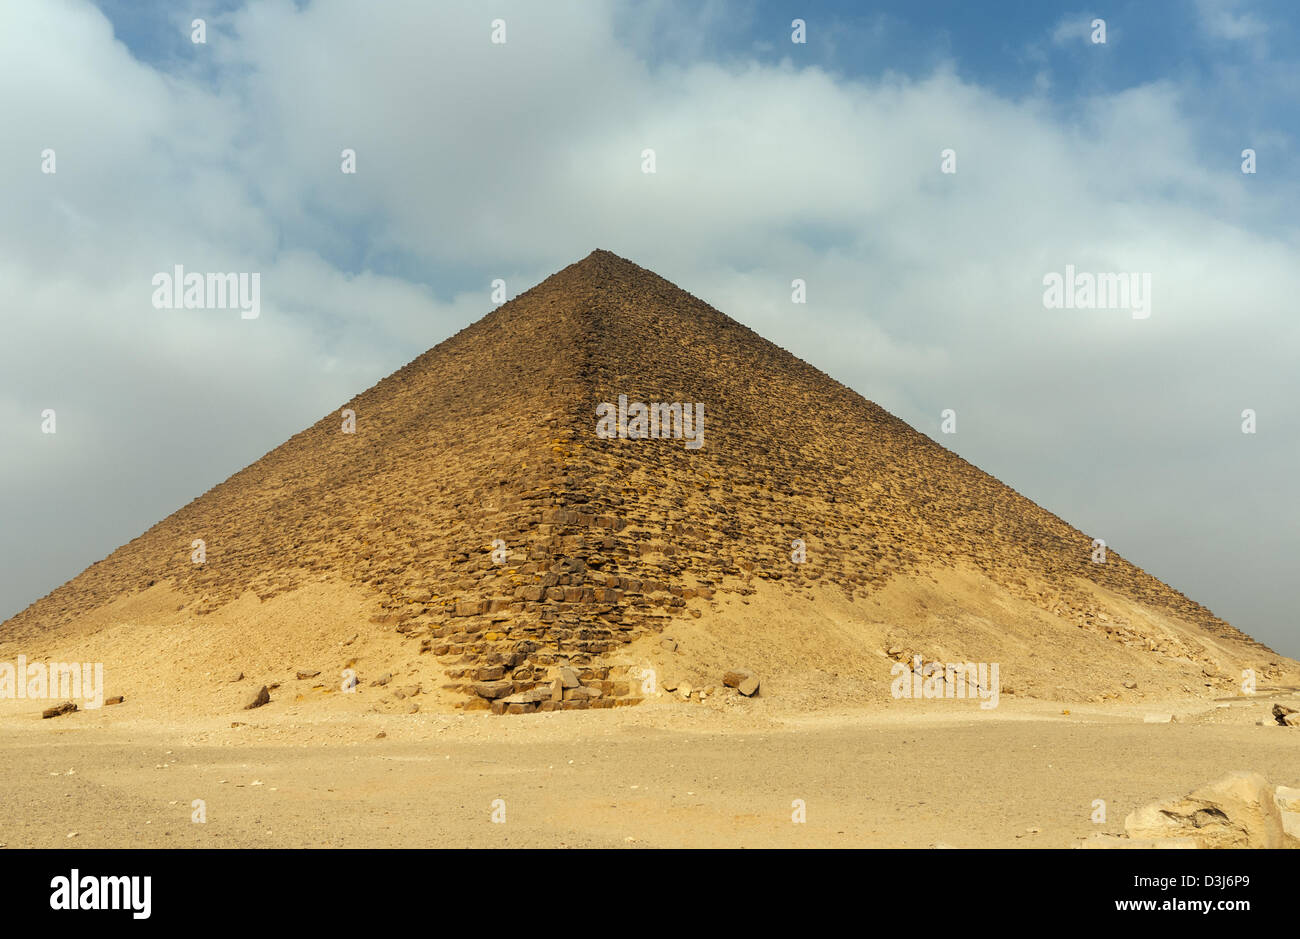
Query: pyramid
x=493 y=529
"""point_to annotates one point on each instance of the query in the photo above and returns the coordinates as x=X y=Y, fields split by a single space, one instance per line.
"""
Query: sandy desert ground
x=663 y=774
x=396 y=765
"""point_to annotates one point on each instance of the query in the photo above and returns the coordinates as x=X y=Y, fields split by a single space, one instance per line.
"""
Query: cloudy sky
x=775 y=160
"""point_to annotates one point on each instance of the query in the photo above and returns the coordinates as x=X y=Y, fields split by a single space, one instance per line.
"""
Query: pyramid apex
x=601 y=254
x=604 y=265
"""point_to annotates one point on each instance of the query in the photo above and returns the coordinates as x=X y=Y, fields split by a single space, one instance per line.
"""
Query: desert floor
x=664 y=774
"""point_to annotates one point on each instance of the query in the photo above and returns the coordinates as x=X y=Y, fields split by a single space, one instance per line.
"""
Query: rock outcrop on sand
x=1241 y=810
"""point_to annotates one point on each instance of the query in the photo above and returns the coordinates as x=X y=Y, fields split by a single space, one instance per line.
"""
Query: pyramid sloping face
x=790 y=453
x=491 y=437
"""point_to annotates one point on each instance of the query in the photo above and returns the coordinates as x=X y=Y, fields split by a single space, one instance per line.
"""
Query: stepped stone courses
x=491 y=435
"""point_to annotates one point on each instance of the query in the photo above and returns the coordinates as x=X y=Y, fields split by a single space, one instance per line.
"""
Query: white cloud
x=1220 y=19
x=1073 y=28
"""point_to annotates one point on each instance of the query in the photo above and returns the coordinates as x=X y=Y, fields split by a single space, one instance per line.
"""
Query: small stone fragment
x=262 y=697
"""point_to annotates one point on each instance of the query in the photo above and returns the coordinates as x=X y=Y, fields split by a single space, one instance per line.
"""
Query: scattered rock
x=1157 y=718
x=381 y=735
x=383 y=679
x=748 y=687
x=669 y=644
x=1130 y=685
x=733 y=678
x=239 y=676
x=262 y=697
x=1285 y=716
x=1122 y=841
x=669 y=684
x=303 y=676
x=67 y=707
x=116 y=699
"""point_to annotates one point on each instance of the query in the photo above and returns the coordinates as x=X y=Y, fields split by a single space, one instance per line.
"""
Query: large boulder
x=1237 y=811
x=492 y=689
x=1288 y=804
x=532 y=696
